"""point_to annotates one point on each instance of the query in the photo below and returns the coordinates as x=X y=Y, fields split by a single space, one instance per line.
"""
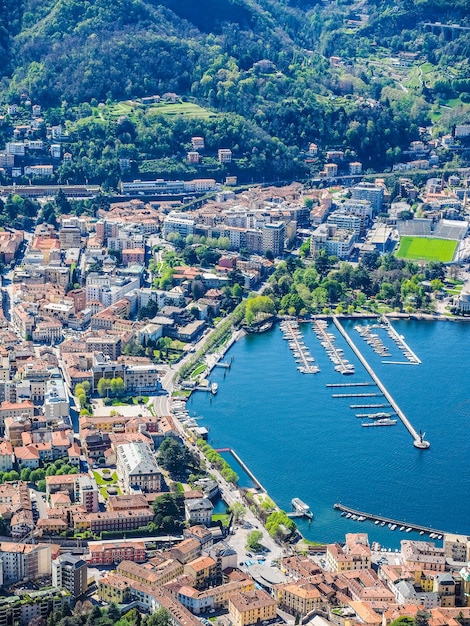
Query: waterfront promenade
x=418 y=442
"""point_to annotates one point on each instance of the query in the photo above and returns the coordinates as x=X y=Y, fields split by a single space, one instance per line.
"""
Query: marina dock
x=292 y=334
x=418 y=439
x=356 y=395
x=369 y=384
x=372 y=339
x=223 y=364
x=388 y=520
x=327 y=340
x=401 y=343
x=369 y=406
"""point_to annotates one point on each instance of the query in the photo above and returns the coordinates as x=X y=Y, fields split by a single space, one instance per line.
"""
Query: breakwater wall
x=416 y=437
x=245 y=467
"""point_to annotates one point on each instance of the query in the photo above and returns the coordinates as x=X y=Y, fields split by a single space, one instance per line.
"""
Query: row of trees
x=217 y=461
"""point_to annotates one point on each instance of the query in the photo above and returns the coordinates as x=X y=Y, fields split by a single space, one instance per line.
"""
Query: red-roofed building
x=102 y=553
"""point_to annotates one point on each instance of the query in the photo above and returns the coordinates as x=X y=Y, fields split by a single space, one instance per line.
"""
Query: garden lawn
x=426 y=249
x=101 y=481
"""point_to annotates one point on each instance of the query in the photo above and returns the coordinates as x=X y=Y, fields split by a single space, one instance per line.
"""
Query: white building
x=56 y=401
x=137 y=468
x=109 y=290
x=363 y=208
x=346 y=220
x=462 y=130
x=180 y=223
x=197 y=143
x=336 y=241
x=39 y=170
x=199 y=511
x=368 y=191
x=464 y=298
x=355 y=168
x=17 y=148
x=24 y=561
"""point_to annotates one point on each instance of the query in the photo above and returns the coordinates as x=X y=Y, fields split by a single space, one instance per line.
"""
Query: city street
x=230 y=494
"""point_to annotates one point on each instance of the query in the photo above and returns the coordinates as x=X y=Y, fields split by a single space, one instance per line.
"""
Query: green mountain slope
x=266 y=61
x=80 y=49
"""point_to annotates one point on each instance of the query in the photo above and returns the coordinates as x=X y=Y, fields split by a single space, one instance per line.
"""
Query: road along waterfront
x=300 y=442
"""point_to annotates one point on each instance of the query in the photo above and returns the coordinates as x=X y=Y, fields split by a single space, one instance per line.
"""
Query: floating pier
x=291 y=333
x=374 y=416
x=369 y=406
x=418 y=439
x=356 y=395
x=327 y=340
x=401 y=343
x=388 y=520
x=372 y=339
x=350 y=384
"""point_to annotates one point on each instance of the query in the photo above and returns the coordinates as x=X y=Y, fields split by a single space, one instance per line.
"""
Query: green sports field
x=426 y=249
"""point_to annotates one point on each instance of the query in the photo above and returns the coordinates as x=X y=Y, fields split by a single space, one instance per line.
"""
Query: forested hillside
x=268 y=61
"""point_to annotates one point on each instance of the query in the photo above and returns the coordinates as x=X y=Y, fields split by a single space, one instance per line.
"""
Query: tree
x=37 y=474
x=173 y=456
x=161 y=617
x=117 y=386
x=437 y=284
x=103 y=386
x=42 y=485
x=253 y=540
x=113 y=612
x=322 y=263
x=63 y=205
x=169 y=511
x=197 y=289
x=25 y=473
x=422 y=618
x=238 y=511
x=237 y=291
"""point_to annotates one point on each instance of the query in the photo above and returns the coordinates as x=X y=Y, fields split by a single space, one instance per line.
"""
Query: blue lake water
x=301 y=442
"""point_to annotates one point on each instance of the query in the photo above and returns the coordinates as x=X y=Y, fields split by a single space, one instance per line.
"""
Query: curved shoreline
x=353 y=318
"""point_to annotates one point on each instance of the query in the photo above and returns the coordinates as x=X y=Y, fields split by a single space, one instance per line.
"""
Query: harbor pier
x=367 y=384
x=398 y=339
x=291 y=333
x=388 y=520
x=418 y=440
